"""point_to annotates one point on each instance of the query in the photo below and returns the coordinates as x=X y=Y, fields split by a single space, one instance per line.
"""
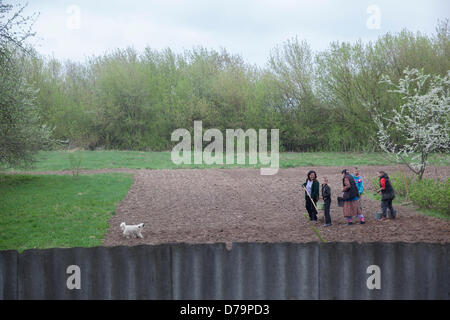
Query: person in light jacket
x=359 y=184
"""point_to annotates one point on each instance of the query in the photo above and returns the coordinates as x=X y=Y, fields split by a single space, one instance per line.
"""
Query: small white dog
x=132 y=230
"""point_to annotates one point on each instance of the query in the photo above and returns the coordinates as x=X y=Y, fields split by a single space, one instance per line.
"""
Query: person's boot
x=393 y=214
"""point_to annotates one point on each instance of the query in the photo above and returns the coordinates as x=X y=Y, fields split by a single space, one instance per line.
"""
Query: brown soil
x=240 y=205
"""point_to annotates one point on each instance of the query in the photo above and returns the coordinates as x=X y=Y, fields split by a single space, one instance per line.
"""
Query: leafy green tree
x=324 y=100
x=21 y=133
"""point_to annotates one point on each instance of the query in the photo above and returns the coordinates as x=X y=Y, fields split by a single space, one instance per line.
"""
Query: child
x=326 y=196
x=359 y=184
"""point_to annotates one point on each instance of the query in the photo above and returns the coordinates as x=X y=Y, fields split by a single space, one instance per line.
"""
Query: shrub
x=402 y=184
x=75 y=160
x=432 y=194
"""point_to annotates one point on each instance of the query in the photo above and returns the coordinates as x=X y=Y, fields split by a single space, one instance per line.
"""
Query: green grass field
x=58 y=211
x=59 y=160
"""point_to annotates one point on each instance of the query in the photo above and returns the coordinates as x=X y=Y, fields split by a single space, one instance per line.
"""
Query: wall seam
x=17 y=276
x=318 y=271
x=171 y=274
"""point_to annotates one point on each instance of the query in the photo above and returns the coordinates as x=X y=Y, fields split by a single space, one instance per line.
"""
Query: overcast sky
x=252 y=28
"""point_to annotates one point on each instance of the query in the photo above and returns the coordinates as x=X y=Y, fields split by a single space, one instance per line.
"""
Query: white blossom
x=420 y=126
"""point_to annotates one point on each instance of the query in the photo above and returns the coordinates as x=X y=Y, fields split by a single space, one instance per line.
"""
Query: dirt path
x=240 y=205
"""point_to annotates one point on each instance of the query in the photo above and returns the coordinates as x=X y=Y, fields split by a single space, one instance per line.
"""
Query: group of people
x=352 y=189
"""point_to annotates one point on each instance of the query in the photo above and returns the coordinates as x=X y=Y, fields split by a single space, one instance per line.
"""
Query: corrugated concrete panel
x=198 y=271
x=407 y=270
x=8 y=275
x=140 y=272
x=248 y=271
x=274 y=271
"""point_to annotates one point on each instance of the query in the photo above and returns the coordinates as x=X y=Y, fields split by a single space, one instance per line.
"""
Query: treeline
x=320 y=101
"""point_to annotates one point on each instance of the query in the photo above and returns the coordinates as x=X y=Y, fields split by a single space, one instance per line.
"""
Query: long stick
x=317 y=232
x=311 y=199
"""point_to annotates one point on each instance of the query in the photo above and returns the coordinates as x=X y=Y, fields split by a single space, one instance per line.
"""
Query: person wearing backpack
x=387 y=195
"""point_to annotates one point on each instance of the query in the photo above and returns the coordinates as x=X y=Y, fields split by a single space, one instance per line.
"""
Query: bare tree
x=15 y=27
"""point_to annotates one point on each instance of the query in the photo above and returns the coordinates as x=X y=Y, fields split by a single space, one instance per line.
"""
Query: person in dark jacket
x=312 y=186
x=387 y=195
x=326 y=196
x=351 y=196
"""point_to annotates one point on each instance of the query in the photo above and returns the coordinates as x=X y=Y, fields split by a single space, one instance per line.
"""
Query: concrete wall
x=248 y=271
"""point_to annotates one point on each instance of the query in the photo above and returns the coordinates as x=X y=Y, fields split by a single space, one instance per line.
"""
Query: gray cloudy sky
x=75 y=29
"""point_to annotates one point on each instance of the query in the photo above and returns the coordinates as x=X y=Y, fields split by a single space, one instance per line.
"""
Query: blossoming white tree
x=421 y=125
